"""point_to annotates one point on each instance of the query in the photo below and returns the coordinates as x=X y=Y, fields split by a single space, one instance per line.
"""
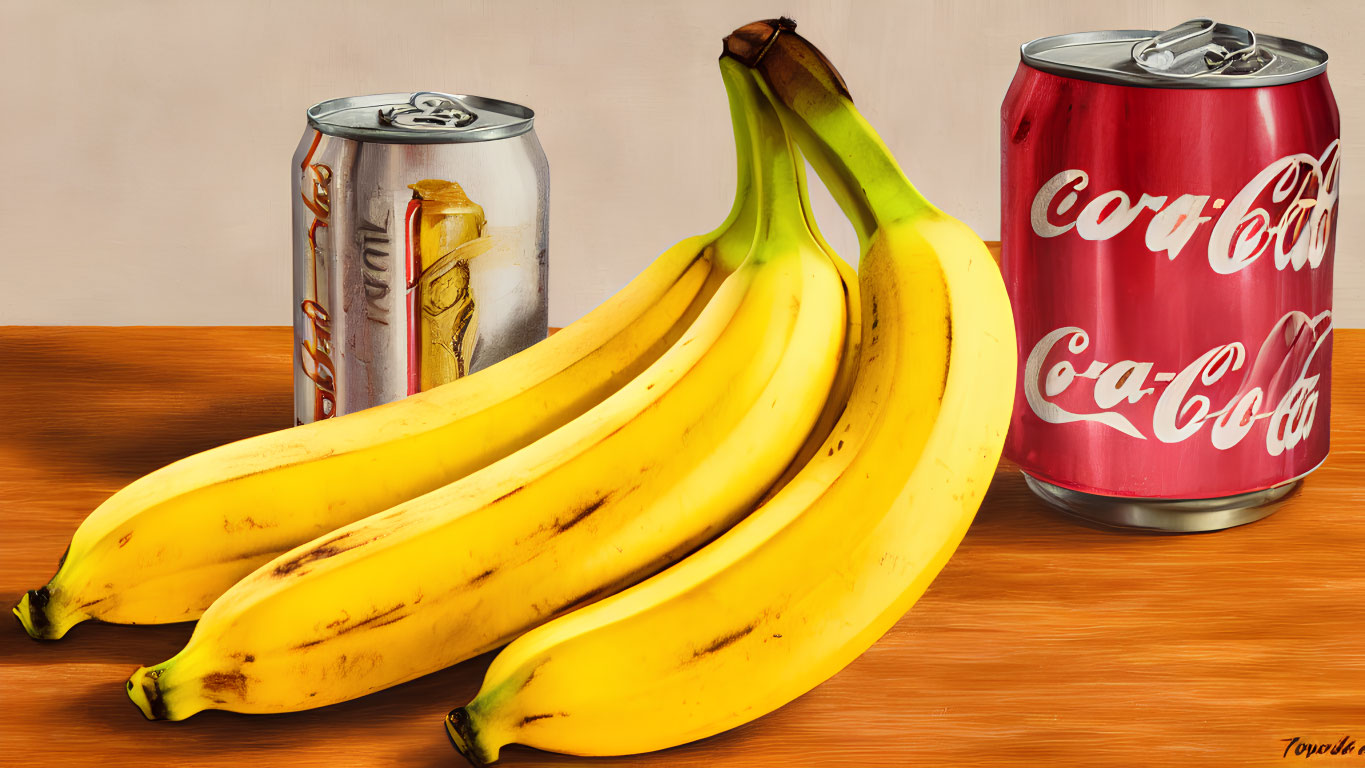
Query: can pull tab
x=428 y=110
x=1202 y=47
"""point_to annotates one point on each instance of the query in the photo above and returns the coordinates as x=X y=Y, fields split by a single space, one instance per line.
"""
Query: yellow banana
x=802 y=586
x=848 y=356
x=658 y=468
x=163 y=548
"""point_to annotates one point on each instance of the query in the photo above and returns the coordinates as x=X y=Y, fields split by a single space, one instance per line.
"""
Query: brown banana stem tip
x=751 y=43
x=32 y=613
x=146 y=695
x=462 y=735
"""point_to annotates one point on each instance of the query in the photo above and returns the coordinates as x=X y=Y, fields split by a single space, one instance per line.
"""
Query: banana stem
x=803 y=185
x=739 y=224
x=780 y=214
x=845 y=151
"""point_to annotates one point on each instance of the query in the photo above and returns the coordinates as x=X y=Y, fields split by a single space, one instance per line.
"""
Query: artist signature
x=1300 y=748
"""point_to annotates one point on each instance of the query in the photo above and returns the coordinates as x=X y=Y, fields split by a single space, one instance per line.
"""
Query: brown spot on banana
x=480 y=578
x=724 y=640
x=510 y=493
x=231 y=682
x=524 y=544
x=122 y=542
x=581 y=515
x=532 y=675
x=394 y=620
x=330 y=548
x=246 y=523
x=948 y=359
x=533 y=718
x=379 y=619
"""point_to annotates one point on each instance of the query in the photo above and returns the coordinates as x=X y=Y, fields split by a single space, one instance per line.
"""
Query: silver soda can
x=420 y=230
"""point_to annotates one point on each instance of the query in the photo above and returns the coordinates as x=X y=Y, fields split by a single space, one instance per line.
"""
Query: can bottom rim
x=1164 y=515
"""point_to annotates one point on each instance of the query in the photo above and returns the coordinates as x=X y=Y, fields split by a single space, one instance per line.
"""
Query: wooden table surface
x=1043 y=643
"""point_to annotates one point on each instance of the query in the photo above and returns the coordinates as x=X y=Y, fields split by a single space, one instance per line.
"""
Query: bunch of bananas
x=684 y=510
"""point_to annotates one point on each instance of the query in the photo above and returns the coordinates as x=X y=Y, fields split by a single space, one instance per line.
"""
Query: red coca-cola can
x=1168 y=225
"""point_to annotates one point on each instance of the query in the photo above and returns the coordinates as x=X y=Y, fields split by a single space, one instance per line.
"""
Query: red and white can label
x=1169 y=255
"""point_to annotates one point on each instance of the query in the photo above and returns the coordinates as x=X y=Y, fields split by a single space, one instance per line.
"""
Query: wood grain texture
x=1043 y=643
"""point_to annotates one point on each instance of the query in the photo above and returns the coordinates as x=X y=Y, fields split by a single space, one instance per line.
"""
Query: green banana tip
x=460 y=729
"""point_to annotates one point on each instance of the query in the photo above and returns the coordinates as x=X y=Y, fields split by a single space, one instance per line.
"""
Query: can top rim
x=1106 y=56
x=421 y=117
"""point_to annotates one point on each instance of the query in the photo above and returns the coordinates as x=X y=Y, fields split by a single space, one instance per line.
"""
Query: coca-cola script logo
x=1287 y=208
x=315 y=351
x=1276 y=386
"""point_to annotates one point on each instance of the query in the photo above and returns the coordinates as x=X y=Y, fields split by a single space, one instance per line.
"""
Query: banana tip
x=32 y=612
x=143 y=690
x=751 y=43
x=748 y=43
x=460 y=729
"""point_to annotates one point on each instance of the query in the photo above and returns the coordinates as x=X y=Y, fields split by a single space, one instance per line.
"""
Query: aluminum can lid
x=1199 y=53
x=424 y=117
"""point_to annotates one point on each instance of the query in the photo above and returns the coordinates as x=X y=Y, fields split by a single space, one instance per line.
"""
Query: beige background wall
x=145 y=144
